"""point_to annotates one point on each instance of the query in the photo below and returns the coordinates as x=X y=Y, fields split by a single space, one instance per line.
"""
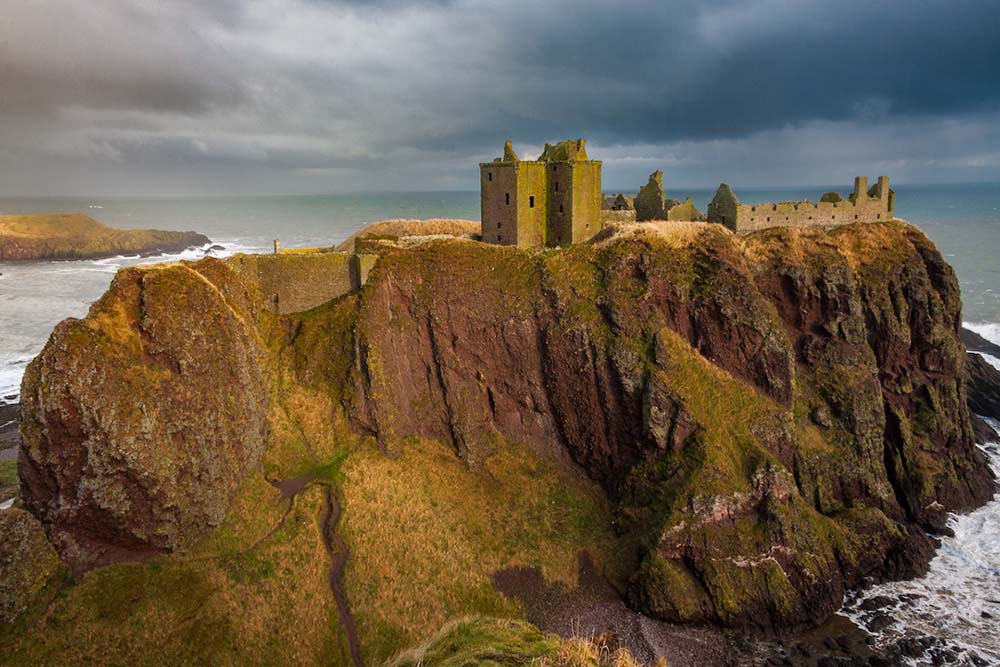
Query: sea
x=958 y=601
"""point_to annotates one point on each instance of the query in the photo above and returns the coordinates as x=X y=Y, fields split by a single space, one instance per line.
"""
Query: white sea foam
x=991 y=360
x=959 y=597
x=988 y=330
x=38 y=296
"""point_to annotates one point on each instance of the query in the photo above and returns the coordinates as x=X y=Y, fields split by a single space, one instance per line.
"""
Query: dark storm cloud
x=332 y=94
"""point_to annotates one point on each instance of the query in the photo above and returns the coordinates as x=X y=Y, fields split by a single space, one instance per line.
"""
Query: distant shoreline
x=76 y=236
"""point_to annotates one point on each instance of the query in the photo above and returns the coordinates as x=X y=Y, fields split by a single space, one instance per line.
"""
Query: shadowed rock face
x=984 y=387
x=774 y=417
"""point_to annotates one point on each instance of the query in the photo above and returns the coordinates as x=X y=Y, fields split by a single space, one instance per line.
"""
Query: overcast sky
x=179 y=96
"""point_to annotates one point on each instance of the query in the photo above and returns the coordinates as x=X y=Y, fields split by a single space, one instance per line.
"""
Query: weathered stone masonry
x=864 y=205
x=554 y=200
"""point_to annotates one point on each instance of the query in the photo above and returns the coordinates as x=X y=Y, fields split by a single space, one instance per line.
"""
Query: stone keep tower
x=554 y=200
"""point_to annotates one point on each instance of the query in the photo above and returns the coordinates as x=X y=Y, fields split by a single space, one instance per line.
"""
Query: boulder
x=28 y=563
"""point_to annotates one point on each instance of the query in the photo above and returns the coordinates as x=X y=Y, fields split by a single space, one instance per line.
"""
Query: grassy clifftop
x=78 y=236
x=734 y=429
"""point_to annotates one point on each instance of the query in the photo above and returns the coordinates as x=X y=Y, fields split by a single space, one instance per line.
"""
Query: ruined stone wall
x=498 y=202
x=291 y=283
x=685 y=210
x=608 y=216
x=750 y=217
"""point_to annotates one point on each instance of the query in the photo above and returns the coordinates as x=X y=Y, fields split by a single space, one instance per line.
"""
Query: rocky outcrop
x=28 y=564
x=140 y=420
x=773 y=417
x=77 y=236
x=984 y=387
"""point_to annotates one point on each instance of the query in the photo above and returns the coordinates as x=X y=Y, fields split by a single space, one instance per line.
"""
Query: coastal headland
x=710 y=429
x=78 y=236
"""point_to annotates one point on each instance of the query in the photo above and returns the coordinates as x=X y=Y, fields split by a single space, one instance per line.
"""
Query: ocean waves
x=36 y=296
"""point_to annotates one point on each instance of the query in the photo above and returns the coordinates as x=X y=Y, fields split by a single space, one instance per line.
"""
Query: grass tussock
x=405 y=227
x=8 y=480
x=234 y=601
x=494 y=642
x=677 y=233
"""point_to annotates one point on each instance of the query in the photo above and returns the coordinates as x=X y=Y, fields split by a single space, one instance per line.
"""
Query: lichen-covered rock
x=140 y=420
x=651 y=203
x=28 y=563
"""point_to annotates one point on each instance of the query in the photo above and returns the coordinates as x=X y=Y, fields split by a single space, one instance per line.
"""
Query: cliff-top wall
x=863 y=206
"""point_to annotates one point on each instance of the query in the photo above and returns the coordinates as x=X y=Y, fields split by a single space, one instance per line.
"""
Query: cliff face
x=775 y=417
x=769 y=418
x=77 y=236
x=140 y=420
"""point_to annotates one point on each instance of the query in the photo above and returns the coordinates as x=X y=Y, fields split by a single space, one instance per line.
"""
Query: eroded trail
x=337 y=549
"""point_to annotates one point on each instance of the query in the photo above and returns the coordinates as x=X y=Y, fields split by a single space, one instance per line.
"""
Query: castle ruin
x=864 y=205
x=557 y=200
x=554 y=200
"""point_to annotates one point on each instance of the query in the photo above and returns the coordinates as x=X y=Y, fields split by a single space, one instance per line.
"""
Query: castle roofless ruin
x=551 y=201
x=863 y=205
x=557 y=200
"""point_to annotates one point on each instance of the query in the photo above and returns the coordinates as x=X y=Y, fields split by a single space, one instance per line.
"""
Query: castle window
x=560 y=208
x=769 y=218
x=557 y=186
x=531 y=201
x=753 y=208
x=774 y=208
x=855 y=216
x=506 y=198
x=879 y=216
x=489 y=175
x=498 y=225
x=833 y=217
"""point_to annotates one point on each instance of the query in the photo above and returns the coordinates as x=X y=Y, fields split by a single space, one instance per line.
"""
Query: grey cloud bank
x=120 y=97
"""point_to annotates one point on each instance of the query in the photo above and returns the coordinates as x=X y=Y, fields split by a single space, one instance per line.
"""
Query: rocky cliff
x=737 y=429
x=77 y=236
